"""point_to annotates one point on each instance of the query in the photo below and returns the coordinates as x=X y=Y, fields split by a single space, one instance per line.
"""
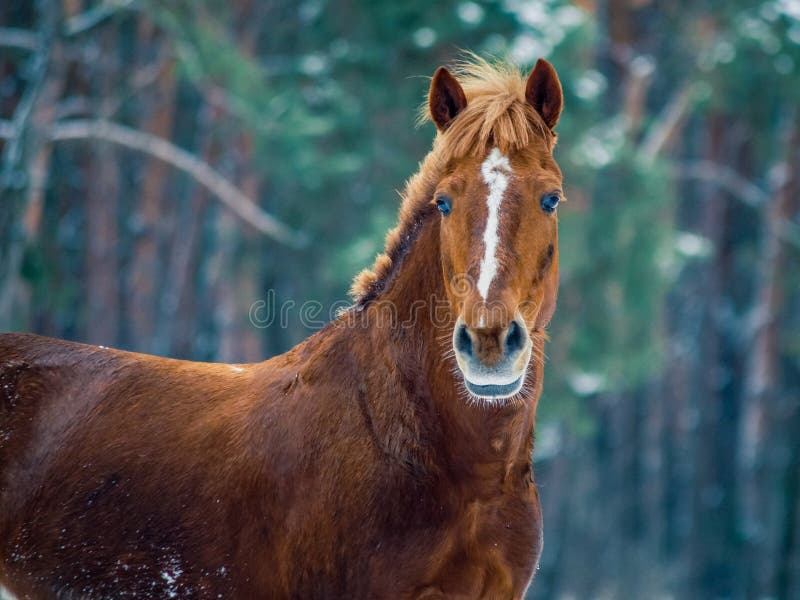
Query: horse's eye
x=550 y=202
x=443 y=204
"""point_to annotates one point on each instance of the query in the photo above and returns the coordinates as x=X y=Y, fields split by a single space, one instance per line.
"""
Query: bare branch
x=202 y=172
x=740 y=188
x=664 y=128
x=724 y=177
x=24 y=39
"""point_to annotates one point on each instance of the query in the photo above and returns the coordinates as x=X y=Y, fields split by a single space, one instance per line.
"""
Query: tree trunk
x=762 y=418
x=146 y=274
x=20 y=181
x=102 y=266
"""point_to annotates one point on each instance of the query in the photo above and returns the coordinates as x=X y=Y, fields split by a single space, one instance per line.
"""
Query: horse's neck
x=475 y=437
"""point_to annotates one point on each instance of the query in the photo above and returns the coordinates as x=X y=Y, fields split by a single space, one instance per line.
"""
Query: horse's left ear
x=446 y=98
x=543 y=91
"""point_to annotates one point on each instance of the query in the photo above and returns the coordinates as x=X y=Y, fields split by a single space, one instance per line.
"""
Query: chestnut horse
x=383 y=457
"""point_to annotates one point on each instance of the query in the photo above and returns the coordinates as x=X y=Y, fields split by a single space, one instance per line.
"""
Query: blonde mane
x=497 y=113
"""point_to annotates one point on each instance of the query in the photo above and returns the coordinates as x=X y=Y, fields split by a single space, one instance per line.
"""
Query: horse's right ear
x=445 y=99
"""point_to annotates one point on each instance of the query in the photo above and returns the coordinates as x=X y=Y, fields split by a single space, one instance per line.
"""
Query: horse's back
x=23 y=356
x=34 y=368
x=64 y=381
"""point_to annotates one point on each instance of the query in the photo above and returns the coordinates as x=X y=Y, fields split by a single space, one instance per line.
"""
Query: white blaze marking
x=496 y=171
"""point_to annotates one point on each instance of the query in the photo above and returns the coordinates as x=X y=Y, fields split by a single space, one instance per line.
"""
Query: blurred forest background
x=163 y=163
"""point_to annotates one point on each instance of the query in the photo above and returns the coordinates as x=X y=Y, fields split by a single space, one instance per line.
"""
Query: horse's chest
x=485 y=549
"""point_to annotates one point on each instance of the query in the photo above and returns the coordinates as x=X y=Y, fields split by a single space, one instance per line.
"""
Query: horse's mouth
x=495 y=390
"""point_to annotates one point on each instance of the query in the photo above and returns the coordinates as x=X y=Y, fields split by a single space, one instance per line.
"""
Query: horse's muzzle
x=494 y=359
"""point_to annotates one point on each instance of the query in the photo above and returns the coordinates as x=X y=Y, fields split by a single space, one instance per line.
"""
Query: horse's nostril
x=515 y=338
x=463 y=341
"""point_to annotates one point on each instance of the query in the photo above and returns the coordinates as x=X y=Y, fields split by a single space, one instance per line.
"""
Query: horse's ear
x=543 y=91
x=445 y=99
